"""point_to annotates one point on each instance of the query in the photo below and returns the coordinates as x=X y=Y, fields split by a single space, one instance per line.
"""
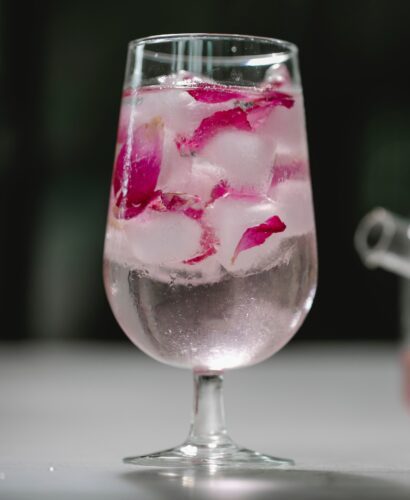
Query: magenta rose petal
x=133 y=211
x=174 y=202
x=211 y=93
x=219 y=190
x=138 y=166
x=202 y=256
x=257 y=235
x=194 y=213
x=209 y=127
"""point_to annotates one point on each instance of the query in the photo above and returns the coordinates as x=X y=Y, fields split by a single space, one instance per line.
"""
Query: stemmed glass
x=210 y=254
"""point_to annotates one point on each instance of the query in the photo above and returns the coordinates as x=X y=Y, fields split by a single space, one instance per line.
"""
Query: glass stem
x=208 y=420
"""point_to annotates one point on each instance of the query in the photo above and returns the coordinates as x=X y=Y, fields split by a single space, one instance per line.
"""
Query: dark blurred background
x=61 y=70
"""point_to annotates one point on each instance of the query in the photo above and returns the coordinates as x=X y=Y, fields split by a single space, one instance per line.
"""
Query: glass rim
x=288 y=49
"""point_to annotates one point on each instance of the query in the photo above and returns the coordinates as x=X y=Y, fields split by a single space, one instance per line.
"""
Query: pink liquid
x=210 y=257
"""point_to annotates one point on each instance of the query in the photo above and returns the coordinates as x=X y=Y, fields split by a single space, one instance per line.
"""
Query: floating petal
x=211 y=93
x=257 y=235
x=209 y=127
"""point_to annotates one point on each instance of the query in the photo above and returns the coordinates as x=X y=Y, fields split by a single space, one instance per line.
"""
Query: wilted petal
x=257 y=235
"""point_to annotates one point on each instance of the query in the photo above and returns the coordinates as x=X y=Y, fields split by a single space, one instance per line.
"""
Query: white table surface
x=70 y=412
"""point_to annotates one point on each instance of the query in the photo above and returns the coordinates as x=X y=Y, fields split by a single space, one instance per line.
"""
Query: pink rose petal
x=208 y=242
x=137 y=168
x=211 y=93
x=247 y=116
x=209 y=127
x=257 y=235
x=199 y=258
x=219 y=190
x=189 y=204
x=194 y=213
x=283 y=172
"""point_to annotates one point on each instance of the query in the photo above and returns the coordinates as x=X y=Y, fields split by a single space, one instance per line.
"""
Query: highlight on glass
x=210 y=252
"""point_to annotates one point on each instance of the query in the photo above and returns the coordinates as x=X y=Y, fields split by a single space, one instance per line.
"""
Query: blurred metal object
x=382 y=239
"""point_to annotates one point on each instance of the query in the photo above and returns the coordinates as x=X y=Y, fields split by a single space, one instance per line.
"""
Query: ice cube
x=162 y=238
x=295 y=206
x=124 y=120
x=278 y=76
x=172 y=105
x=182 y=78
x=287 y=126
x=246 y=158
x=204 y=177
x=175 y=169
x=177 y=108
x=230 y=218
x=116 y=244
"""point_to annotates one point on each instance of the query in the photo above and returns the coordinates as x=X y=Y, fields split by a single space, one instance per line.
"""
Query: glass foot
x=189 y=455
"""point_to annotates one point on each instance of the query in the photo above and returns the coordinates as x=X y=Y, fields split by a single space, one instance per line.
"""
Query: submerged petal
x=219 y=190
x=257 y=235
x=189 y=204
x=209 y=242
x=285 y=171
x=138 y=165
